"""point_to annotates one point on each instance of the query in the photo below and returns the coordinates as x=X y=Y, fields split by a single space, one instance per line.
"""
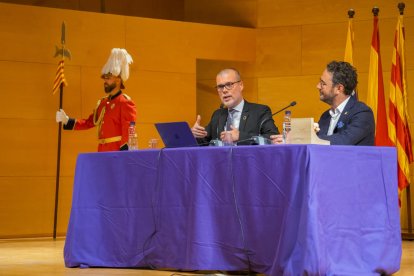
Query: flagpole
x=409 y=235
x=58 y=166
x=63 y=52
x=351 y=13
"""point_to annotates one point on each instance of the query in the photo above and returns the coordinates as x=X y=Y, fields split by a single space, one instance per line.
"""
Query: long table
x=278 y=210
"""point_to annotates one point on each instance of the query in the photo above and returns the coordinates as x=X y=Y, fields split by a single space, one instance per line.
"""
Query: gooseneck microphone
x=217 y=142
x=291 y=104
x=259 y=140
x=277 y=112
x=218 y=123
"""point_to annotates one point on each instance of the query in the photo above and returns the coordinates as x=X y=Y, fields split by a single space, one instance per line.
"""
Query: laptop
x=176 y=134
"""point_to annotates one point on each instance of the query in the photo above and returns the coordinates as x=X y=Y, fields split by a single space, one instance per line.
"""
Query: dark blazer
x=356 y=125
x=253 y=116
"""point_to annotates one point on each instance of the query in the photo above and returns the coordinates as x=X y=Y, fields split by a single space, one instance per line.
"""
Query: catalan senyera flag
x=398 y=127
x=60 y=77
x=349 y=46
x=376 y=98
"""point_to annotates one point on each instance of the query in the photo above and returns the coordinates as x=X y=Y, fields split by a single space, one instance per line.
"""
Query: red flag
x=399 y=131
x=376 y=98
x=60 y=77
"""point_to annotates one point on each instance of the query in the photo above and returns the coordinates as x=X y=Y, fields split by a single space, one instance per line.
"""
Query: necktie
x=230 y=119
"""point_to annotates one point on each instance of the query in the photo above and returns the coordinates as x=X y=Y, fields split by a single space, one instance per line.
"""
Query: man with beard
x=348 y=121
x=113 y=113
x=240 y=120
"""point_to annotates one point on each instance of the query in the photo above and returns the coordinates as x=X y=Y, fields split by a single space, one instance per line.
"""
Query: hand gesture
x=197 y=130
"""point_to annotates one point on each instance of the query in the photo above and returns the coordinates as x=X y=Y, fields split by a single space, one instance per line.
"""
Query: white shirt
x=335 y=114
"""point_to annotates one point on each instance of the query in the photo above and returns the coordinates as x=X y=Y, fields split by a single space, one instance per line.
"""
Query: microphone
x=291 y=104
x=217 y=142
x=277 y=112
x=259 y=139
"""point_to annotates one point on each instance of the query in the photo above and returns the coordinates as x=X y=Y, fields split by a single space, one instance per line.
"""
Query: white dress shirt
x=335 y=114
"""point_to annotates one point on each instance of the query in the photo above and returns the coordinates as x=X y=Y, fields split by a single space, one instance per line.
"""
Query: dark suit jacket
x=356 y=125
x=253 y=117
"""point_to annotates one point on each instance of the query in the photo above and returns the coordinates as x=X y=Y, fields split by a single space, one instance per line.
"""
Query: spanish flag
x=376 y=98
x=398 y=127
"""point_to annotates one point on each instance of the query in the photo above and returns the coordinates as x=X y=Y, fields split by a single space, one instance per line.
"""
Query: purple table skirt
x=278 y=210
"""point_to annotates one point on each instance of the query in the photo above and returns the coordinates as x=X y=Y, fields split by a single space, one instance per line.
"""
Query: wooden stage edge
x=409 y=236
x=44 y=256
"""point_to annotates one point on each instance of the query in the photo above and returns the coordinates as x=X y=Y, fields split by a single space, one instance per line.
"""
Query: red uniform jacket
x=112 y=117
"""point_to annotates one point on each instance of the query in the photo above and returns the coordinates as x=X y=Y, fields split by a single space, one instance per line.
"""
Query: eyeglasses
x=322 y=83
x=227 y=85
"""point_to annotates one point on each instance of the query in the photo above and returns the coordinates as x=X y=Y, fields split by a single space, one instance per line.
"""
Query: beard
x=327 y=97
x=109 y=88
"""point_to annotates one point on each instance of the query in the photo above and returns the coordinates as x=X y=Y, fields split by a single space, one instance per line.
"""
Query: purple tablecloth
x=279 y=210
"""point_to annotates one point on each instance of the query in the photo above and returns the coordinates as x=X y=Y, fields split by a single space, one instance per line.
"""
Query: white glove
x=61 y=117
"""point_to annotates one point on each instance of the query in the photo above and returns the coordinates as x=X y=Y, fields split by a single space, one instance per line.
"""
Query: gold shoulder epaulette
x=126 y=96
x=99 y=102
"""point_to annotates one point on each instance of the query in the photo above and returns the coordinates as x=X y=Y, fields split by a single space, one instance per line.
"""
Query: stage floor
x=45 y=257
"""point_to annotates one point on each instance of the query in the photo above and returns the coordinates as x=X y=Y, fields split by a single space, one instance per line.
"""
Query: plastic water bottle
x=287 y=126
x=132 y=137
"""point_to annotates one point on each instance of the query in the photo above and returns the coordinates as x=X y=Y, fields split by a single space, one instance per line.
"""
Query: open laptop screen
x=176 y=134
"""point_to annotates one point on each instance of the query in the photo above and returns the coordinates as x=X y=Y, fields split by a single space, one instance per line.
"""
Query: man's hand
x=235 y=134
x=277 y=139
x=197 y=130
x=316 y=127
x=61 y=117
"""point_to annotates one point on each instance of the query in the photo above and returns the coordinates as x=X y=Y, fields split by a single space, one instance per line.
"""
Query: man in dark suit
x=348 y=121
x=238 y=121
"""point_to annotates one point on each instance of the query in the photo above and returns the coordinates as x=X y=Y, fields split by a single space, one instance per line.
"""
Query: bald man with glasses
x=239 y=119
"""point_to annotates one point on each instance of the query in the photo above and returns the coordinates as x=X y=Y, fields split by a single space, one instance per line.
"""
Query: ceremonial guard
x=113 y=113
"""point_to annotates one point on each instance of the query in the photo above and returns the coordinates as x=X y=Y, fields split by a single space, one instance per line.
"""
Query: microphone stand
x=217 y=142
x=259 y=139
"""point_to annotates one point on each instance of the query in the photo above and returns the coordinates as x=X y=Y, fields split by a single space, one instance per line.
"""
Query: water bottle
x=286 y=126
x=132 y=137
